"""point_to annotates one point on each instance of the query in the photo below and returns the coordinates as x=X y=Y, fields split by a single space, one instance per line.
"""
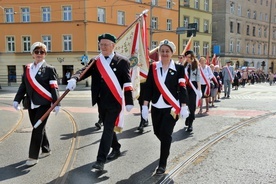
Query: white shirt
x=161 y=103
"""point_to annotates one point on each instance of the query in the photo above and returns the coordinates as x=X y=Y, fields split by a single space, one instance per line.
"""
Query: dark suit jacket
x=100 y=91
x=43 y=76
x=152 y=93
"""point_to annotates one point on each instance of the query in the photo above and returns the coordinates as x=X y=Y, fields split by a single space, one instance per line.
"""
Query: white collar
x=171 y=66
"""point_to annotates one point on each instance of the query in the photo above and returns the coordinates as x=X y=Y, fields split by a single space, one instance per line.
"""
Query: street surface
x=248 y=155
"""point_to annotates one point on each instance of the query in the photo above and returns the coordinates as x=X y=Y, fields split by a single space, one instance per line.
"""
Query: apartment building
x=199 y=12
x=70 y=29
x=245 y=32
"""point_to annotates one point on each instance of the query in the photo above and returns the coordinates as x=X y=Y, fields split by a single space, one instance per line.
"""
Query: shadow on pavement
x=13 y=171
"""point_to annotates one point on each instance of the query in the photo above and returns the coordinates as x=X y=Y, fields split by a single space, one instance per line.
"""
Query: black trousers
x=163 y=125
x=191 y=104
x=39 y=137
x=109 y=137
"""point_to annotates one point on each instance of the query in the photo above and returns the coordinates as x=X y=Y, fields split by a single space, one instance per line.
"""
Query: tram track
x=201 y=149
x=72 y=152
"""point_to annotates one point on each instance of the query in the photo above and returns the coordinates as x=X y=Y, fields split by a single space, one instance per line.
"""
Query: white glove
x=129 y=107
x=184 y=112
x=199 y=93
x=145 y=112
x=16 y=105
x=56 y=109
x=72 y=83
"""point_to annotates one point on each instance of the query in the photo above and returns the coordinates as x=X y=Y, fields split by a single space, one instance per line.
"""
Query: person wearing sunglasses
x=39 y=89
x=181 y=59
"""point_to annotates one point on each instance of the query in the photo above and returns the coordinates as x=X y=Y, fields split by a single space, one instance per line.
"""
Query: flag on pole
x=188 y=46
x=207 y=58
x=214 y=60
x=131 y=46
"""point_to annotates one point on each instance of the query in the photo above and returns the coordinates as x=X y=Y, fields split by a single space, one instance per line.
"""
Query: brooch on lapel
x=171 y=72
x=114 y=69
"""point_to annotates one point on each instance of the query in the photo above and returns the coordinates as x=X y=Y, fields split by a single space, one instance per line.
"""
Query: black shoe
x=190 y=129
x=160 y=170
x=114 y=154
x=98 y=165
x=146 y=123
x=99 y=124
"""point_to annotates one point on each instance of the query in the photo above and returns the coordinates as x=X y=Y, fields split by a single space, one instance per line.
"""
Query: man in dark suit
x=110 y=73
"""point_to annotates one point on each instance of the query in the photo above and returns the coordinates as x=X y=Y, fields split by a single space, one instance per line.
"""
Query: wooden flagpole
x=82 y=74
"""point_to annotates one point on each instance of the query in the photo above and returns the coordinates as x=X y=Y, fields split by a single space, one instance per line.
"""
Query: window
x=154 y=44
x=196 y=47
x=11 y=73
x=260 y=32
x=248 y=14
x=261 y=16
x=206 y=26
x=274 y=50
x=46 y=14
x=10 y=44
x=185 y=42
x=47 y=41
x=238 y=46
x=232 y=8
x=265 y=49
x=265 y=32
x=261 y=2
x=121 y=18
x=247 y=48
x=9 y=15
x=154 y=21
x=255 y=15
x=206 y=5
x=247 y=30
x=67 y=43
x=169 y=24
x=239 y=10
x=266 y=2
x=196 y=4
x=259 y=49
x=25 y=12
x=154 y=2
x=231 y=46
x=26 y=40
x=67 y=13
x=101 y=15
x=266 y=17
x=231 y=27
x=186 y=21
x=274 y=34
x=205 y=48
x=254 y=31
x=169 y=4
x=138 y=1
x=196 y=20
x=187 y=3
x=238 y=28
x=253 y=49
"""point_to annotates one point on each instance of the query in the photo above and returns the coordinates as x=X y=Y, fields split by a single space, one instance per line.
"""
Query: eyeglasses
x=39 y=52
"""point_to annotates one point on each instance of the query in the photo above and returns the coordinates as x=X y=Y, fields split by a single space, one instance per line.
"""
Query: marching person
x=39 y=83
x=205 y=81
x=111 y=83
x=228 y=77
x=192 y=76
x=165 y=89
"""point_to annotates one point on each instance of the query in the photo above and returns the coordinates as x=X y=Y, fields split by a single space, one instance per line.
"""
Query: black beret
x=107 y=36
x=189 y=52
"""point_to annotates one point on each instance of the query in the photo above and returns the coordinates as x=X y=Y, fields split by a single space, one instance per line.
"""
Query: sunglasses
x=39 y=52
x=180 y=57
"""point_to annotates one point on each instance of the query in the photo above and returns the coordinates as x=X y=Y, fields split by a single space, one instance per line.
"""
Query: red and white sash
x=164 y=90
x=114 y=86
x=192 y=86
x=230 y=75
x=35 y=84
x=207 y=82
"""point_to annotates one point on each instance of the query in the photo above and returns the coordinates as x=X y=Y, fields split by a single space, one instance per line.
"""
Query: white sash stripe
x=164 y=87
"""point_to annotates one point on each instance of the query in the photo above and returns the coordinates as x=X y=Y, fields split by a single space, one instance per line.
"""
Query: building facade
x=244 y=32
x=70 y=30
